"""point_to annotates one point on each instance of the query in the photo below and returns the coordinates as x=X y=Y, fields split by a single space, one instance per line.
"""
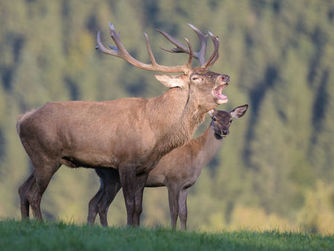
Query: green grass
x=32 y=235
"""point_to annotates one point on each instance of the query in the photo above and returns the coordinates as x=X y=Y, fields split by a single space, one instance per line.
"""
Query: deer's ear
x=239 y=111
x=211 y=113
x=170 y=81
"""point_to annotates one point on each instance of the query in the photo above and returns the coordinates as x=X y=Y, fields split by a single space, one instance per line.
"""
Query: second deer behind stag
x=178 y=170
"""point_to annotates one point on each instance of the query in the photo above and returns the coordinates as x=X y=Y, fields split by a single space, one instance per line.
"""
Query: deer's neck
x=207 y=147
x=174 y=116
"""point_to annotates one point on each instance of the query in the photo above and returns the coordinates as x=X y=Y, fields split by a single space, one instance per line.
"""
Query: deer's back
x=90 y=132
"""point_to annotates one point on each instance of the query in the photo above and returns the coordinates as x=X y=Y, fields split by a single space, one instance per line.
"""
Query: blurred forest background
x=275 y=169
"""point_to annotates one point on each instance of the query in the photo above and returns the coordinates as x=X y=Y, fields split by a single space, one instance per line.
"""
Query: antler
x=180 y=48
x=120 y=51
x=213 y=58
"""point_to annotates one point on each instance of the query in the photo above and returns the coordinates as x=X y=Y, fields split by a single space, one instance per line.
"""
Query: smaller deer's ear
x=239 y=111
x=211 y=112
x=170 y=81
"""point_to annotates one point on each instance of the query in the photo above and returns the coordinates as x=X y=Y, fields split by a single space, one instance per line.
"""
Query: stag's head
x=221 y=120
x=205 y=85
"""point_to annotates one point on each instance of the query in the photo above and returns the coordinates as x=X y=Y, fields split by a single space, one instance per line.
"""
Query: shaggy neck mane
x=181 y=117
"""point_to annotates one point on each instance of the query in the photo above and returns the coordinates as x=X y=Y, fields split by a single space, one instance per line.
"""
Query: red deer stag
x=177 y=170
x=127 y=134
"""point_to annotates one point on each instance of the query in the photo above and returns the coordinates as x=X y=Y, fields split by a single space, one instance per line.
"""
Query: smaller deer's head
x=221 y=120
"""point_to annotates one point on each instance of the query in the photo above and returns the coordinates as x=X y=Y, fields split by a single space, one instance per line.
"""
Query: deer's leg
x=173 y=195
x=128 y=179
x=111 y=187
x=183 y=208
x=133 y=187
x=43 y=173
x=107 y=199
x=93 y=207
x=140 y=181
x=93 y=203
x=24 y=202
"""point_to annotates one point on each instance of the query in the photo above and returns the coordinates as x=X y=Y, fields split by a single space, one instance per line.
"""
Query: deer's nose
x=225 y=132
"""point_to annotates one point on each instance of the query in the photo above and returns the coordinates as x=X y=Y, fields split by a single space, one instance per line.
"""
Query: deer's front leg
x=173 y=195
x=140 y=181
x=127 y=178
x=183 y=208
x=133 y=187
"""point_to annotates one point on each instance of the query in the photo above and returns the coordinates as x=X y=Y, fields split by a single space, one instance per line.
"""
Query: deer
x=177 y=170
x=129 y=135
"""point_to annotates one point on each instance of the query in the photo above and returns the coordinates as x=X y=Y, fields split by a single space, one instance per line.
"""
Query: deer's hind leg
x=109 y=187
x=45 y=159
x=43 y=173
x=24 y=202
x=93 y=205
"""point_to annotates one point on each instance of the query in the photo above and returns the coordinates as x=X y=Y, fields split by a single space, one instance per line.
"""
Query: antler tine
x=120 y=51
x=190 y=52
x=213 y=58
x=149 y=50
x=180 y=48
x=203 y=39
x=216 y=42
x=102 y=48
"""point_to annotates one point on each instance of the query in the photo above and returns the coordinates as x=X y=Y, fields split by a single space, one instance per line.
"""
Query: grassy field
x=32 y=235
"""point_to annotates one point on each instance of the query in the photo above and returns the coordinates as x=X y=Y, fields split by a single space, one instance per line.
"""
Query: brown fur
x=178 y=170
x=128 y=134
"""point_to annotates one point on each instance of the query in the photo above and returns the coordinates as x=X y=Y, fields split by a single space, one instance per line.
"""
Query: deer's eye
x=196 y=78
x=214 y=118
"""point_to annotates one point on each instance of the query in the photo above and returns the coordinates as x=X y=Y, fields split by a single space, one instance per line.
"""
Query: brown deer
x=127 y=134
x=177 y=170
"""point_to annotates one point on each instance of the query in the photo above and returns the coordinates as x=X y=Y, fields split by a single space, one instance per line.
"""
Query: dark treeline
x=275 y=168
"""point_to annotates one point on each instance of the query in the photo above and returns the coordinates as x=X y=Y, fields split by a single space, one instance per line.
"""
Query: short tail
x=21 y=118
x=18 y=122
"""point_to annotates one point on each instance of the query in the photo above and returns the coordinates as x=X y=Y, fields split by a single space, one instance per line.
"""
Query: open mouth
x=217 y=93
